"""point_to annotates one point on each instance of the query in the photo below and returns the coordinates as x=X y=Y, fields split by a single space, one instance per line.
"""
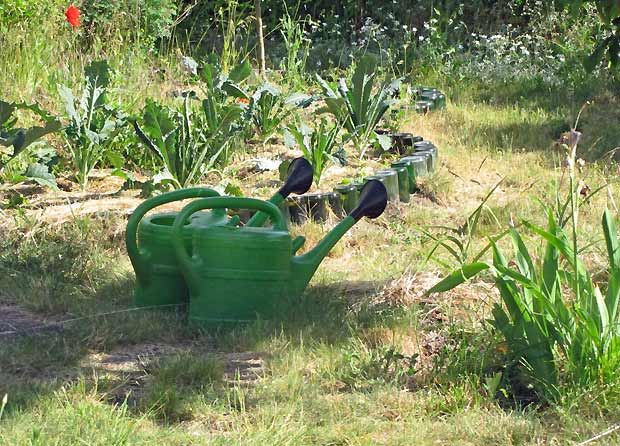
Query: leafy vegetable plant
x=359 y=107
x=92 y=122
x=225 y=93
x=319 y=145
x=222 y=84
x=187 y=143
x=18 y=138
x=268 y=108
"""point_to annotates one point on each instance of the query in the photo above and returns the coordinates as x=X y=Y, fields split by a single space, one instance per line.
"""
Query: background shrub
x=147 y=20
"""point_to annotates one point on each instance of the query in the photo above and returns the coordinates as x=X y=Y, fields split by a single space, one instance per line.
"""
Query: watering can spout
x=373 y=200
x=298 y=181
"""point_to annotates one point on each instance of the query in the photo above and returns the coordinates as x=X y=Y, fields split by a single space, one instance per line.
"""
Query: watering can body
x=159 y=282
x=235 y=274
x=238 y=273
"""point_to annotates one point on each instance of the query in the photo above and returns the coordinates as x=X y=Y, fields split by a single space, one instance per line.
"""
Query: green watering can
x=159 y=281
x=237 y=273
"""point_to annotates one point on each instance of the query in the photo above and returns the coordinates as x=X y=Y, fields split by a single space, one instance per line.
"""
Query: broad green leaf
x=98 y=72
x=326 y=88
x=40 y=174
x=458 y=277
x=208 y=75
x=523 y=257
x=611 y=240
x=21 y=138
x=37 y=110
x=290 y=140
x=362 y=81
x=68 y=99
x=240 y=72
x=6 y=112
x=551 y=258
x=300 y=100
x=159 y=126
x=234 y=90
x=594 y=59
x=602 y=310
x=385 y=142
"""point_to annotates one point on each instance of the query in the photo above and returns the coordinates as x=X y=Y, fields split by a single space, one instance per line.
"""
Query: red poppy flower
x=73 y=16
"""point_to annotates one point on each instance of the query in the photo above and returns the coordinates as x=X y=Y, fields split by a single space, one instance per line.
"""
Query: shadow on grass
x=36 y=364
x=526 y=136
x=324 y=313
x=530 y=116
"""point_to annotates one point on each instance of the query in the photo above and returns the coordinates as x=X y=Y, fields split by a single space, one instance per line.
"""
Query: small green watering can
x=159 y=281
x=237 y=273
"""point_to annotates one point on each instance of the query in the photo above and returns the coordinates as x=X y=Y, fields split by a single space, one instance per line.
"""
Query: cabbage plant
x=320 y=145
x=188 y=142
x=92 y=121
x=359 y=106
x=17 y=139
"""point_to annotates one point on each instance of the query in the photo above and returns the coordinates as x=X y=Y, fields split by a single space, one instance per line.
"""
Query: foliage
x=607 y=45
x=20 y=138
x=220 y=88
x=186 y=144
x=457 y=241
x=319 y=145
x=557 y=323
x=268 y=108
x=39 y=173
x=225 y=83
x=297 y=46
x=146 y=20
x=92 y=121
x=361 y=108
x=14 y=12
x=560 y=324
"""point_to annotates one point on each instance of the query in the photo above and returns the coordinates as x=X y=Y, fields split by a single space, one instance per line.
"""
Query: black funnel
x=299 y=178
x=373 y=200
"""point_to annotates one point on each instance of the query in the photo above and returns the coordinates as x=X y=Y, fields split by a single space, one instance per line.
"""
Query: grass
x=338 y=363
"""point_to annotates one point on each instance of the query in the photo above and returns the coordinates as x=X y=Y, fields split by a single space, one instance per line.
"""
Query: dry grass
x=322 y=367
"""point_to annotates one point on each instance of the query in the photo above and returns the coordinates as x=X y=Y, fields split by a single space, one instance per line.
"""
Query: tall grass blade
x=458 y=277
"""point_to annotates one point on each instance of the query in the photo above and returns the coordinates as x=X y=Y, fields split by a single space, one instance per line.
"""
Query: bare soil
x=16 y=321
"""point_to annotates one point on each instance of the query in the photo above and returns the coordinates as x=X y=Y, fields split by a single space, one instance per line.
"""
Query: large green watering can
x=159 y=281
x=237 y=273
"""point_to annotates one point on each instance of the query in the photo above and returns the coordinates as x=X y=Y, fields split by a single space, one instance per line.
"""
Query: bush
x=13 y=11
x=147 y=20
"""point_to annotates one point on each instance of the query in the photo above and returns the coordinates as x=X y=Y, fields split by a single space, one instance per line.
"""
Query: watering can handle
x=219 y=203
x=134 y=220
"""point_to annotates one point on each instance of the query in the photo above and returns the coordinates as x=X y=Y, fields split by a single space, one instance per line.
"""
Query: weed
x=558 y=323
x=297 y=46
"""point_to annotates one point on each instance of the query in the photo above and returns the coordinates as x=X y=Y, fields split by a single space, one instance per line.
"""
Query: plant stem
x=261 y=38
